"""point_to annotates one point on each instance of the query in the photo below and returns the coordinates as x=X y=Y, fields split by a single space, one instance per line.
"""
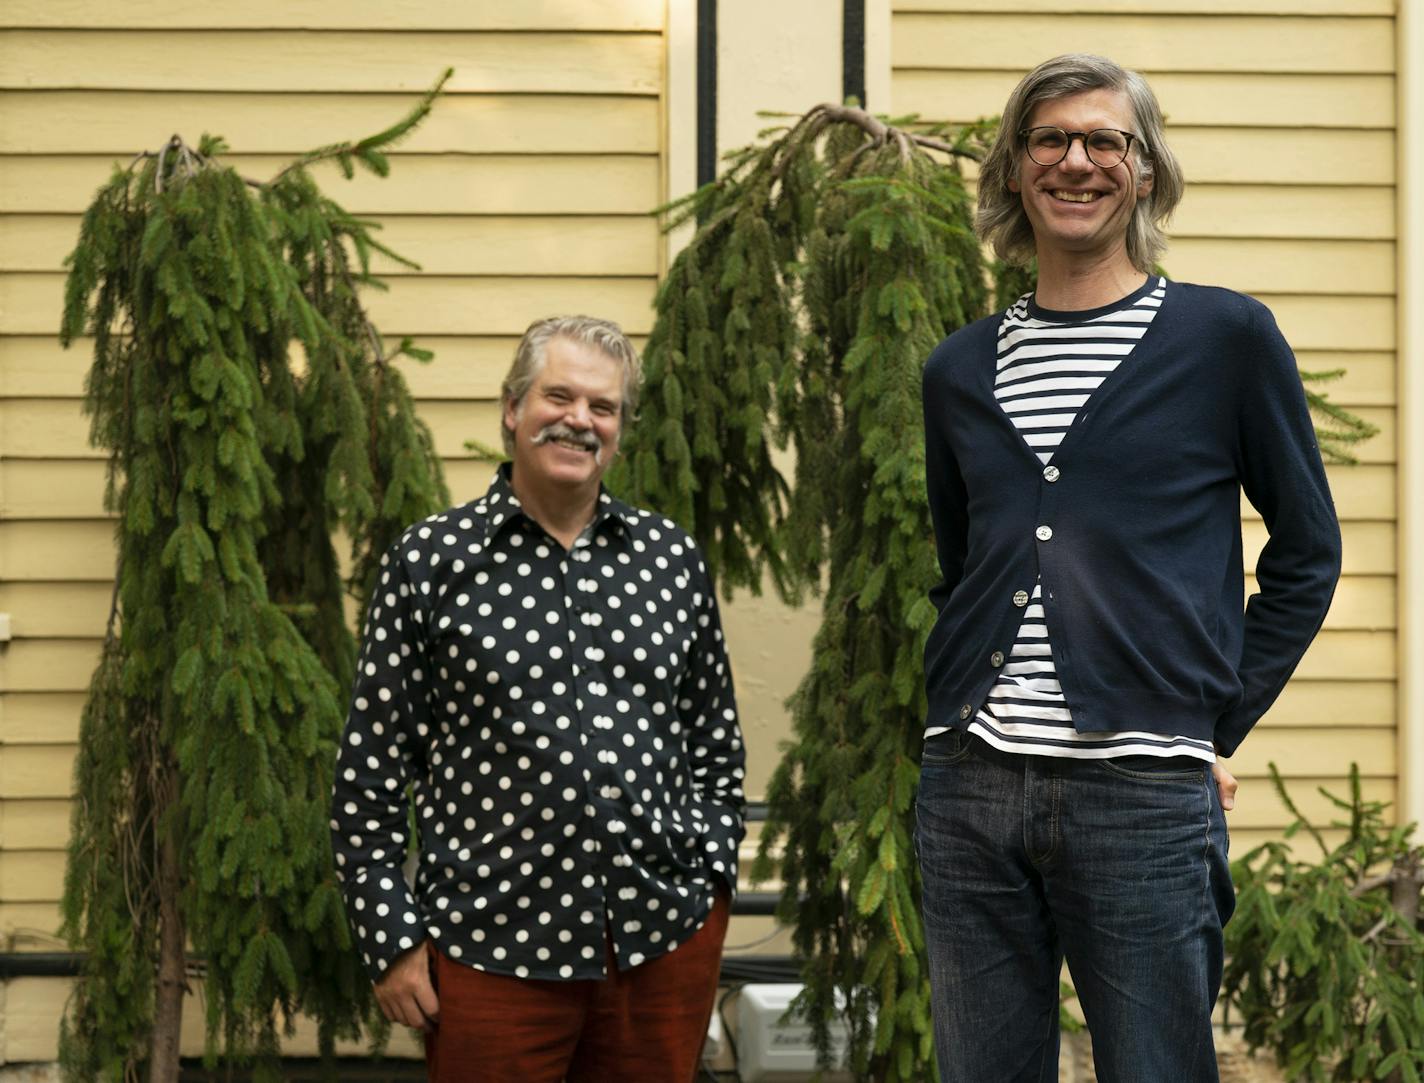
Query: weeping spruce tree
x=250 y=410
x=828 y=261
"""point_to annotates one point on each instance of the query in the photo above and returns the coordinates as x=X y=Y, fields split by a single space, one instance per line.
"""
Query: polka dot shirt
x=565 y=724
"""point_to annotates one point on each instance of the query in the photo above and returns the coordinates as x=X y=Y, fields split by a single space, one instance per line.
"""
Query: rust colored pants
x=644 y=1025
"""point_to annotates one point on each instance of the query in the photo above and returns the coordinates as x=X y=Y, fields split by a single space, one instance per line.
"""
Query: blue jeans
x=1119 y=866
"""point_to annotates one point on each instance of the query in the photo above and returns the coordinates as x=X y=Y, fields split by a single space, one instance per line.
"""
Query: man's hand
x=405 y=992
x=1225 y=785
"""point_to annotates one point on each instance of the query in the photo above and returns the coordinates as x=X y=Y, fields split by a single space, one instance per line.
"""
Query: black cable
x=727 y=1030
x=771 y=969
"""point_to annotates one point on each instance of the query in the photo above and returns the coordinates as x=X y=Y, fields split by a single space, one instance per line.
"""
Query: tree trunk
x=1405 y=886
x=172 y=952
x=1406 y=880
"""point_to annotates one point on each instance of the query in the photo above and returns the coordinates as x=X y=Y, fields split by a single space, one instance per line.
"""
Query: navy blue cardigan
x=1142 y=574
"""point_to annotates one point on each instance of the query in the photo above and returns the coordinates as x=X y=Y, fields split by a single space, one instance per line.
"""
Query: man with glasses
x=1086 y=451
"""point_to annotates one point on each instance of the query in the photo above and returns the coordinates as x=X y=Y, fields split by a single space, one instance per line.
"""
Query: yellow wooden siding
x=122 y=122
x=1368 y=380
x=403 y=15
x=33 y=1004
x=35 y=718
x=1150 y=42
x=1197 y=98
x=416 y=305
x=527 y=192
x=1297 y=211
x=1162 y=7
x=334 y=60
x=34 y=823
x=1283 y=116
x=532 y=183
x=441 y=244
x=41 y=430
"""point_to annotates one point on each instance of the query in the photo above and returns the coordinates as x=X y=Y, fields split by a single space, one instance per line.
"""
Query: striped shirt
x=1047 y=369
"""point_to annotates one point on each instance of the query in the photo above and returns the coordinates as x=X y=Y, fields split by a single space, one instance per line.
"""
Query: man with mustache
x=1094 y=657
x=543 y=672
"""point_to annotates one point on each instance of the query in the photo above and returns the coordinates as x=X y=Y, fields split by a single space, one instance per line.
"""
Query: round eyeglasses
x=1106 y=147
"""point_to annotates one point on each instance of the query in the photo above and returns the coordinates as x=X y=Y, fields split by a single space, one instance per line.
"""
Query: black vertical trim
x=706 y=91
x=853 y=52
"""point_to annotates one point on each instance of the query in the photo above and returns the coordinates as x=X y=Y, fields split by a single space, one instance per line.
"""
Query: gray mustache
x=559 y=431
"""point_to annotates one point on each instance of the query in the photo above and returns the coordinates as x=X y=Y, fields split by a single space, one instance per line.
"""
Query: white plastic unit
x=770 y=1050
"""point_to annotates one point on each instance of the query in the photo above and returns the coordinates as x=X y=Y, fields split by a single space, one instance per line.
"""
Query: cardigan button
x=1051 y=473
x=996 y=659
x=966 y=711
x=1043 y=533
x=1020 y=598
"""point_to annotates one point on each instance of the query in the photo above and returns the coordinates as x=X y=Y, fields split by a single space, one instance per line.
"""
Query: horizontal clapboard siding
x=526 y=192
x=1196 y=98
x=122 y=122
x=503 y=245
x=351 y=62
x=1250 y=44
x=453 y=183
x=1152 y=7
x=417 y=304
x=368 y=15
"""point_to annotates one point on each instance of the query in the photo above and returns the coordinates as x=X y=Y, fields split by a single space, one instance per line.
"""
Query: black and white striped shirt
x=1047 y=368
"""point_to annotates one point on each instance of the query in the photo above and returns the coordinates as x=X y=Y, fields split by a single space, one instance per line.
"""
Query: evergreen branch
x=1337 y=429
x=373 y=336
x=1309 y=969
x=485 y=452
x=362 y=148
x=881 y=132
x=1370 y=883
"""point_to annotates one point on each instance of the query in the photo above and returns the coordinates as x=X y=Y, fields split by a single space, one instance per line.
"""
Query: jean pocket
x=947 y=748
x=1156 y=768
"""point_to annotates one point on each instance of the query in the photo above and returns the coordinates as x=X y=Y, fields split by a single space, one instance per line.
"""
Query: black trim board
x=706 y=91
x=853 y=52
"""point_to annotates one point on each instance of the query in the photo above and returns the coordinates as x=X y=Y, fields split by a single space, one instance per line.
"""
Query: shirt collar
x=502 y=507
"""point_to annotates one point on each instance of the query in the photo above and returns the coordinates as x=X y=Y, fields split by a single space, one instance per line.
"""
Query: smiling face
x=1079 y=210
x=566 y=427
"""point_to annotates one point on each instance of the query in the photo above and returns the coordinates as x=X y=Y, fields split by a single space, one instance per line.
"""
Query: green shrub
x=1326 y=959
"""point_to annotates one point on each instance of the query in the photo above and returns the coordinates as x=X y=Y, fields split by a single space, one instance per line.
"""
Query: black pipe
x=706 y=91
x=40 y=964
x=853 y=52
x=68 y=964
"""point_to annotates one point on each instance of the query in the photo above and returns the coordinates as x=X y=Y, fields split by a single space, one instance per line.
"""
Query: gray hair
x=1001 y=220
x=603 y=335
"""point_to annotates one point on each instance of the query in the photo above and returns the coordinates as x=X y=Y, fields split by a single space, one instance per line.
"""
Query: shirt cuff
x=719 y=846
x=384 y=918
